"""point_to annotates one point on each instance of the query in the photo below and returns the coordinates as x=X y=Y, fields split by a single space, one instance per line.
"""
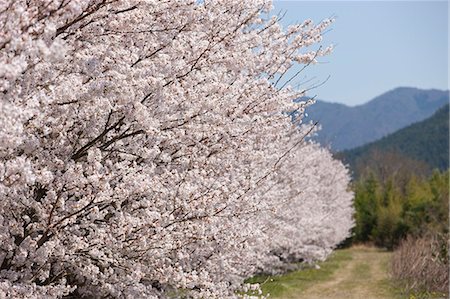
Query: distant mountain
x=345 y=127
x=426 y=141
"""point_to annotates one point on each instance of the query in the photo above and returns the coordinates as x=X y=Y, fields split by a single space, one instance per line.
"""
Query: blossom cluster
x=146 y=150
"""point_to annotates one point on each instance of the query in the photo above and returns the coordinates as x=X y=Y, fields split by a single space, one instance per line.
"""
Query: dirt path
x=364 y=276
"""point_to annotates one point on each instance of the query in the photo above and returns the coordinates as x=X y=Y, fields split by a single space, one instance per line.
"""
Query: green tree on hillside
x=389 y=209
x=389 y=227
x=366 y=193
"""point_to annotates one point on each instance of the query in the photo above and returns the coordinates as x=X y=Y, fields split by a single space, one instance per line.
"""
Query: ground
x=357 y=272
x=364 y=275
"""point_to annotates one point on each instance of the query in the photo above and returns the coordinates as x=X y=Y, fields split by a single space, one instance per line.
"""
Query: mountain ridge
x=426 y=141
x=346 y=127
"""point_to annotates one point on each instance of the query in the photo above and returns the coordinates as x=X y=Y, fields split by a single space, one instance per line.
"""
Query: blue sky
x=380 y=45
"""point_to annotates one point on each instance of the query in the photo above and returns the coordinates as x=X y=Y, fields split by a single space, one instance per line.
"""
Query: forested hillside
x=345 y=127
x=425 y=142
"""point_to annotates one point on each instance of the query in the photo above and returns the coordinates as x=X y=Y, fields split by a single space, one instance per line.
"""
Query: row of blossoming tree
x=146 y=152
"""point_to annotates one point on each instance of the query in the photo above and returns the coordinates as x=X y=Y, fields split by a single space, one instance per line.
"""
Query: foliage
x=144 y=149
x=385 y=212
x=366 y=201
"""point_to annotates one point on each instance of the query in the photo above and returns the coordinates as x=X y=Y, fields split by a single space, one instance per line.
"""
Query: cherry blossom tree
x=317 y=215
x=146 y=152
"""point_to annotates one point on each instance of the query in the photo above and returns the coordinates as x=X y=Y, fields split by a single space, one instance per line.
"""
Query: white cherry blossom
x=146 y=150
